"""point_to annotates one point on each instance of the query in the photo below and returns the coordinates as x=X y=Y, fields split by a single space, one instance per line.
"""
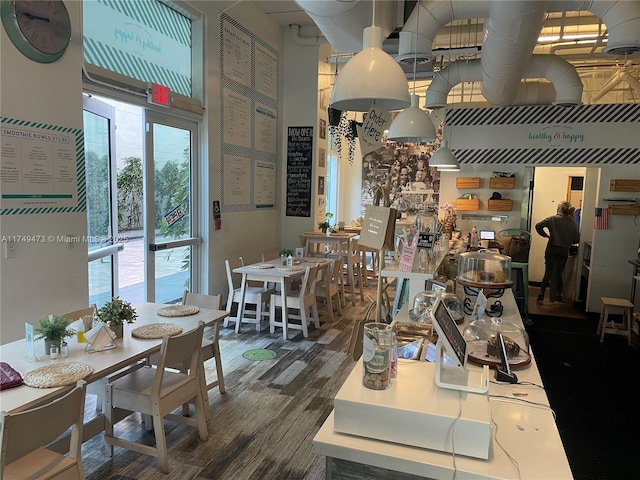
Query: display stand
x=455 y=377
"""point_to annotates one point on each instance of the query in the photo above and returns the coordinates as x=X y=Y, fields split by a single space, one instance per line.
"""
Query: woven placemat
x=57 y=374
x=156 y=330
x=178 y=311
x=290 y=269
x=261 y=266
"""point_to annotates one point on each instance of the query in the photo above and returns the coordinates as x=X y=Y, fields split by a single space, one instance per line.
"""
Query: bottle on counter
x=289 y=261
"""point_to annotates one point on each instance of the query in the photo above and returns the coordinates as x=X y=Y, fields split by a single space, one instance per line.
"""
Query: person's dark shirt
x=563 y=231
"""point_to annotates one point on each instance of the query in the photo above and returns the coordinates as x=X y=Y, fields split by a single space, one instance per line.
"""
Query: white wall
x=611 y=273
x=449 y=192
x=248 y=233
x=43 y=278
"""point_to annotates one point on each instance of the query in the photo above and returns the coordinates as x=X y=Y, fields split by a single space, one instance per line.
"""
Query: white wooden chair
x=327 y=286
x=302 y=300
x=24 y=435
x=157 y=391
x=258 y=296
x=350 y=271
x=210 y=347
x=78 y=314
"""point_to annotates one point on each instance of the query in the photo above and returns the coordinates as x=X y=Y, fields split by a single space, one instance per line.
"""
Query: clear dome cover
x=484 y=268
x=481 y=337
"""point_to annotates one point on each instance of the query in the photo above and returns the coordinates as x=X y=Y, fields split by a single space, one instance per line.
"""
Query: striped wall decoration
x=80 y=201
x=512 y=135
x=148 y=41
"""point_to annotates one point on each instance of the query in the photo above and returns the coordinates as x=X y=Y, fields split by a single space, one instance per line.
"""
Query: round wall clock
x=40 y=30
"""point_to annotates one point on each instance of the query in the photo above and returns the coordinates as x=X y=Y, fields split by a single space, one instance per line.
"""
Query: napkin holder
x=100 y=338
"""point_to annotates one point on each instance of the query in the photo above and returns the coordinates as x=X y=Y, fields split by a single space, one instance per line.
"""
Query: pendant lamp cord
x=373 y=17
x=415 y=48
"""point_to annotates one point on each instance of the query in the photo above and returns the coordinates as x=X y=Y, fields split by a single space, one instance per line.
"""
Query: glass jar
x=426 y=222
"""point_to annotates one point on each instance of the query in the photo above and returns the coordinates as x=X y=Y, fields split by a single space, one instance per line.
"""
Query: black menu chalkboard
x=299 y=171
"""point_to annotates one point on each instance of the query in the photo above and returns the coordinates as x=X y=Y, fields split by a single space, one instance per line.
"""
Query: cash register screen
x=487 y=235
x=455 y=343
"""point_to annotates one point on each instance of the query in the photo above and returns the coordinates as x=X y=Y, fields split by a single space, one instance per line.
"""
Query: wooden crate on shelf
x=624 y=209
x=468 y=182
x=464 y=204
x=624 y=185
x=502 y=182
x=504 y=205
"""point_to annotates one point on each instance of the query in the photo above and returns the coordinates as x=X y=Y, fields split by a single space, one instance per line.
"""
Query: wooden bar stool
x=607 y=326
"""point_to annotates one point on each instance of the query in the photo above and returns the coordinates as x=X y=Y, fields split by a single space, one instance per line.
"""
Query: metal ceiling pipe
x=512 y=31
x=622 y=19
x=433 y=15
x=561 y=74
x=565 y=87
x=342 y=22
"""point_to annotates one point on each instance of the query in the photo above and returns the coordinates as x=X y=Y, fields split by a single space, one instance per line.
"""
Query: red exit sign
x=159 y=95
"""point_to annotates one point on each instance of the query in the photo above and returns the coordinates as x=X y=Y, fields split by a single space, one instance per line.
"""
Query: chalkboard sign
x=299 y=171
x=426 y=240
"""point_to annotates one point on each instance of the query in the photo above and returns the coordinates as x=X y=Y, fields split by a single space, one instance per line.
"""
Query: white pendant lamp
x=444 y=159
x=371 y=76
x=412 y=125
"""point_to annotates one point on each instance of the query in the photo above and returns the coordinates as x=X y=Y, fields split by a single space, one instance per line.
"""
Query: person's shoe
x=559 y=301
x=540 y=300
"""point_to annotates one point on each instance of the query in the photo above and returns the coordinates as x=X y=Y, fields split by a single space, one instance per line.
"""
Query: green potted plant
x=53 y=329
x=325 y=226
x=115 y=313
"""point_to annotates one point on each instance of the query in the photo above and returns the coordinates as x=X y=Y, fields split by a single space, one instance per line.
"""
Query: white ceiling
x=284 y=12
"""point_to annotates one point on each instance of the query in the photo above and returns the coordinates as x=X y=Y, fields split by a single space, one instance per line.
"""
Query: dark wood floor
x=263 y=426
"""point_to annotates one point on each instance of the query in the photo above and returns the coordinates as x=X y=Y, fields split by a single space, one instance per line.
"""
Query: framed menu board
x=299 y=171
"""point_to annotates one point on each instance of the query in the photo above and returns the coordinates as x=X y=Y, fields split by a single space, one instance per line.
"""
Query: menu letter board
x=299 y=155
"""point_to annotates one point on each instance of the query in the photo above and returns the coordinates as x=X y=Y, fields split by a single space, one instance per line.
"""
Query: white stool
x=607 y=326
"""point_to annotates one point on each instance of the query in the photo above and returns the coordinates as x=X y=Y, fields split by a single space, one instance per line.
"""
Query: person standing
x=562 y=232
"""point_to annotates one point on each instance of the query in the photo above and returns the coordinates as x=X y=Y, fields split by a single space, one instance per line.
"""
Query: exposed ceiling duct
x=342 y=22
x=511 y=31
x=565 y=87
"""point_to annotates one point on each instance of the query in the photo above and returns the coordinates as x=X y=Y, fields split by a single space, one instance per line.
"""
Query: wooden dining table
x=129 y=351
x=274 y=272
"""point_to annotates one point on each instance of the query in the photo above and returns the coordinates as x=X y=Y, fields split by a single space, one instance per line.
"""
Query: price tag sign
x=426 y=240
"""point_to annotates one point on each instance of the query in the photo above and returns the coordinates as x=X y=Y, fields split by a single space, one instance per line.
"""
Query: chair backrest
x=26 y=431
x=230 y=265
x=328 y=275
x=266 y=256
x=183 y=349
x=309 y=280
x=78 y=314
x=211 y=302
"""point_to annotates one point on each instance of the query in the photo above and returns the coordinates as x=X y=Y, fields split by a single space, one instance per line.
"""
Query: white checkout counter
x=524 y=444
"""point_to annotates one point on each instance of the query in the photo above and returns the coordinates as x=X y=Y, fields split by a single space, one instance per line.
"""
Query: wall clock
x=40 y=30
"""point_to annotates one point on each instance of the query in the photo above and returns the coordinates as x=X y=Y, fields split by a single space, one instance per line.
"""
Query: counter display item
x=484 y=269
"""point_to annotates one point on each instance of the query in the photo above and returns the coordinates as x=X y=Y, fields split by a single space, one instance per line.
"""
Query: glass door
x=169 y=192
x=102 y=231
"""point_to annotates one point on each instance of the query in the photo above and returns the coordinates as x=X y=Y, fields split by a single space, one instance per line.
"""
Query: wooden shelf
x=504 y=205
x=624 y=185
x=625 y=209
x=504 y=183
x=462 y=204
x=468 y=182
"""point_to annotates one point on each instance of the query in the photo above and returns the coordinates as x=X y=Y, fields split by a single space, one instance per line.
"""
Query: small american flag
x=601 y=219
